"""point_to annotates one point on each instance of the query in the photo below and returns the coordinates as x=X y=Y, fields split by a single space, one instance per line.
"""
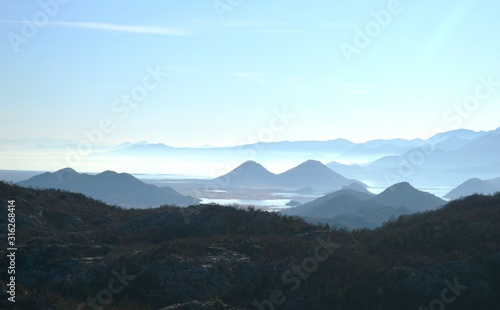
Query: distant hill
x=15 y=176
x=465 y=134
x=357 y=187
x=309 y=174
x=487 y=145
x=380 y=147
x=474 y=186
x=354 y=209
x=113 y=188
x=405 y=195
x=495 y=182
x=331 y=205
x=249 y=173
x=144 y=148
x=314 y=174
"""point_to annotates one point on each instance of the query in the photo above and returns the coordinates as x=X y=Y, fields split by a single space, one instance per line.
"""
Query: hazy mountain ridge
x=438 y=161
x=122 y=189
x=229 y=259
x=446 y=159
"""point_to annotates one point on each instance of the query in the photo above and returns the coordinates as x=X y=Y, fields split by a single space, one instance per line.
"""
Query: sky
x=230 y=72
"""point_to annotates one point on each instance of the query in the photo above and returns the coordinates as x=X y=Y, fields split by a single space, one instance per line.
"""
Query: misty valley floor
x=259 y=196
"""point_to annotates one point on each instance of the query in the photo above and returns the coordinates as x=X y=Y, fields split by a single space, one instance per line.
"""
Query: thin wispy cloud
x=254 y=23
x=156 y=30
x=254 y=26
x=55 y=66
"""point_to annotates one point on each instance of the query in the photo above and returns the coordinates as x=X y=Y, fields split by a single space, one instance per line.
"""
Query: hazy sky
x=243 y=70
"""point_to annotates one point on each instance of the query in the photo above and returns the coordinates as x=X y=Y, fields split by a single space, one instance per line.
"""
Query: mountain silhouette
x=249 y=173
x=360 y=210
x=310 y=173
x=403 y=194
x=114 y=188
x=473 y=186
x=333 y=204
x=439 y=161
x=465 y=134
x=495 y=182
x=357 y=187
x=314 y=174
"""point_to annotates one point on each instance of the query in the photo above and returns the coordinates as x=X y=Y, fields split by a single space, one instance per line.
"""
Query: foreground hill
x=76 y=252
x=310 y=173
x=114 y=188
x=357 y=209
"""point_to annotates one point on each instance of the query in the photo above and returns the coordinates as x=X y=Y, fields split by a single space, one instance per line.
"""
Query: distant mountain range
x=309 y=174
x=439 y=161
x=113 y=188
x=445 y=160
x=353 y=208
x=475 y=186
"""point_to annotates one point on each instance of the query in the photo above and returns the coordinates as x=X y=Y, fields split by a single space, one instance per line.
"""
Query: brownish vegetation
x=70 y=243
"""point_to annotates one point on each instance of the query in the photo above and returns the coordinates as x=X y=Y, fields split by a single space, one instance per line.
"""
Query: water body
x=281 y=201
x=268 y=204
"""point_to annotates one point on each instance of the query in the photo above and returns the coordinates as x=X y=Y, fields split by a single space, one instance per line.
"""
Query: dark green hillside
x=70 y=248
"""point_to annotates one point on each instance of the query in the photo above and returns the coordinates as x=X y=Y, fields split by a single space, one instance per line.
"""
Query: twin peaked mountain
x=310 y=174
x=112 y=188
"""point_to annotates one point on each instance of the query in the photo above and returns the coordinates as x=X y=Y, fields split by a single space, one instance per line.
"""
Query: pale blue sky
x=227 y=77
